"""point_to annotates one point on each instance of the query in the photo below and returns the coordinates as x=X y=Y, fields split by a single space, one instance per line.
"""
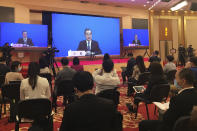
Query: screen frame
x=50 y=30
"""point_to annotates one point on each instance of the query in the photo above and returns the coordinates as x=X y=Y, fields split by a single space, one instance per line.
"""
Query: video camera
x=51 y=51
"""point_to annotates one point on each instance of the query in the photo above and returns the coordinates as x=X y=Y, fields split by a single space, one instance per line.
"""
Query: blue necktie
x=89 y=46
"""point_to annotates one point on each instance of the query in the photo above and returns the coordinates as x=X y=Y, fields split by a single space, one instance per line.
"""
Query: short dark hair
x=130 y=54
x=156 y=52
x=106 y=56
x=76 y=61
x=108 y=65
x=64 y=61
x=170 y=58
x=156 y=69
x=14 y=65
x=83 y=81
x=193 y=60
x=43 y=62
x=87 y=29
x=188 y=75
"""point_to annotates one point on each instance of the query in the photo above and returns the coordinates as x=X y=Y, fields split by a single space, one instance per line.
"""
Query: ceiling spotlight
x=179 y=6
x=144 y=5
x=147 y=2
x=132 y=0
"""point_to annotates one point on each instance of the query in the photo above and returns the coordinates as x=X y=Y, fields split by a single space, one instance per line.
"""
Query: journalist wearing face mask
x=15 y=74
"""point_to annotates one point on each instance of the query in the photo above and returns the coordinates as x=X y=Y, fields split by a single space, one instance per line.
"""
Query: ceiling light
x=132 y=0
x=144 y=5
x=156 y=3
x=179 y=6
x=147 y=2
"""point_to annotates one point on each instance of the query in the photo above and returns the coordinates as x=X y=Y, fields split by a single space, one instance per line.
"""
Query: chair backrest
x=143 y=78
x=159 y=92
x=171 y=75
x=65 y=88
x=2 y=80
x=111 y=94
x=12 y=90
x=48 y=76
x=34 y=108
x=182 y=124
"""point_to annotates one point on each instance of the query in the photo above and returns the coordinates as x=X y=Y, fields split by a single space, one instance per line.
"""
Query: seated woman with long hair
x=15 y=74
x=34 y=86
x=157 y=77
x=138 y=68
x=76 y=64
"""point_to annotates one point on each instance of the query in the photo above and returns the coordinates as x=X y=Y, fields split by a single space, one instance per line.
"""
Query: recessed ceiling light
x=147 y=2
x=132 y=0
x=144 y=5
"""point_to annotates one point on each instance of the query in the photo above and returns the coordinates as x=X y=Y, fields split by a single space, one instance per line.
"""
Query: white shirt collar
x=185 y=89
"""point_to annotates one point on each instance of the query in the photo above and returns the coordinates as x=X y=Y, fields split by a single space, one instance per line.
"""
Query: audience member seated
x=138 y=68
x=15 y=74
x=155 y=57
x=90 y=112
x=3 y=67
x=180 y=105
x=106 y=78
x=106 y=56
x=34 y=86
x=193 y=61
x=44 y=69
x=66 y=73
x=170 y=64
x=193 y=120
x=129 y=69
x=157 y=77
x=76 y=64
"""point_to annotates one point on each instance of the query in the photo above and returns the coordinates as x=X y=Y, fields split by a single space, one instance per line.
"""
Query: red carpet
x=129 y=122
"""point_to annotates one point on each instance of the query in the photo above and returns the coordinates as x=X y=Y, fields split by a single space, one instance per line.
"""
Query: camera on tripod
x=6 y=53
x=51 y=51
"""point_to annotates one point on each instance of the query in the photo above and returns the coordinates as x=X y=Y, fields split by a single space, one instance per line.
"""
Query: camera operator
x=6 y=49
x=49 y=55
x=190 y=51
x=182 y=54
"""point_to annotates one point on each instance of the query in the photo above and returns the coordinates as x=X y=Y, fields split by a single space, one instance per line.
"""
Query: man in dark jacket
x=180 y=105
x=89 y=112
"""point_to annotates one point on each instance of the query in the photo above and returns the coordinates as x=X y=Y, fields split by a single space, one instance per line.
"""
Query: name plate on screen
x=76 y=53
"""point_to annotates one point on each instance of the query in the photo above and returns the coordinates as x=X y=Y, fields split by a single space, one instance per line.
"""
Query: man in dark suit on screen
x=136 y=41
x=89 y=45
x=25 y=40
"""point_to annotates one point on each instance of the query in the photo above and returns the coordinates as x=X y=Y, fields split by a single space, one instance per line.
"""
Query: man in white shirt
x=106 y=78
x=89 y=45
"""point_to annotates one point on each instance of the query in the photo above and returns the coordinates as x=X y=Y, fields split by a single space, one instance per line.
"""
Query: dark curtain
x=47 y=20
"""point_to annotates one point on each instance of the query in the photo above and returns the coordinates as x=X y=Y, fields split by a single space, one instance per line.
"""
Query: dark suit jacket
x=154 y=59
x=130 y=64
x=180 y=105
x=29 y=41
x=94 y=46
x=138 y=42
x=91 y=113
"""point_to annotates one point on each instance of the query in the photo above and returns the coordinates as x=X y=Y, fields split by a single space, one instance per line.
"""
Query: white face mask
x=19 y=69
